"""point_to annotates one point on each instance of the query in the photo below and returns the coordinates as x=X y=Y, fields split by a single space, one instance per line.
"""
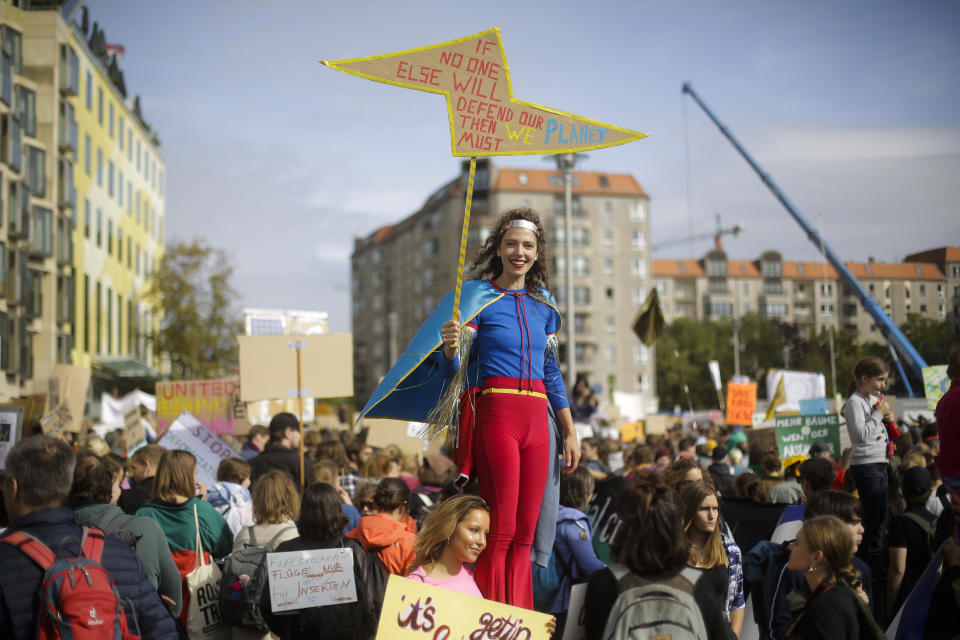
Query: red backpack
x=78 y=598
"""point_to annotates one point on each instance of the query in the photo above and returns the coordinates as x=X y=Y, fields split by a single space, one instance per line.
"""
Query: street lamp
x=565 y=163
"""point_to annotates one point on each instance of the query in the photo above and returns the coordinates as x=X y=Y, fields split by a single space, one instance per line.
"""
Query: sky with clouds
x=852 y=107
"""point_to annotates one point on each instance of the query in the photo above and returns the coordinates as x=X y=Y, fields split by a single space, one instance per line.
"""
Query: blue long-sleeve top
x=511 y=341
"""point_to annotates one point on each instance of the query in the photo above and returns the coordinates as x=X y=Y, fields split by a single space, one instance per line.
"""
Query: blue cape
x=414 y=384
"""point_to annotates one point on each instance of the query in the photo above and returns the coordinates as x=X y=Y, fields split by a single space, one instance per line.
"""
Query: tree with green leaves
x=198 y=322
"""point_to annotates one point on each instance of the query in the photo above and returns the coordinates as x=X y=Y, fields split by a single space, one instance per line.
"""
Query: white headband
x=520 y=223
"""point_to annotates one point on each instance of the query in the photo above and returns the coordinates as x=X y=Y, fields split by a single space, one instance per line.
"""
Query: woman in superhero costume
x=511 y=340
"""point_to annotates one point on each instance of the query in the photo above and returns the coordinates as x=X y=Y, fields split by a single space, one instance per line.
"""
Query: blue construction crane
x=900 y=347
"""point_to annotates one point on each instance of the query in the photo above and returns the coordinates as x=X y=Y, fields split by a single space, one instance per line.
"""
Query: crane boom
x=888 y=329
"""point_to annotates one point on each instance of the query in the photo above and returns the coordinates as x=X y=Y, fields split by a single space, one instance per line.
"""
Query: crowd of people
x=697 y=512
x=673 y=534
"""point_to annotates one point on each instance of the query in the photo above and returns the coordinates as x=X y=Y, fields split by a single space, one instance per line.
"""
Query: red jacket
x=392 y=540
x=948 y=426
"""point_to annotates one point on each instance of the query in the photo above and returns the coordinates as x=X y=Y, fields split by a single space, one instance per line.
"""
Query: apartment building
x=83 y=206
x=400 y=271
x=810 y=294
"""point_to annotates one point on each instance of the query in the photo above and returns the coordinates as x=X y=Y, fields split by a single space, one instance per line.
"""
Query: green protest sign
x=795 y=434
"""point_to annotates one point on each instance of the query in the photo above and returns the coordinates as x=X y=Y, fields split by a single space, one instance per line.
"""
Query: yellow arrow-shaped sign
x=485 y=118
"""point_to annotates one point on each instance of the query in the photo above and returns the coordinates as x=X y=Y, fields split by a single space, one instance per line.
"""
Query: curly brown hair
x=488 y=263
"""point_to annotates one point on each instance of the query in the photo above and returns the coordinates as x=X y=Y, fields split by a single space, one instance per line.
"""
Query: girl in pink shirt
x=453 y=535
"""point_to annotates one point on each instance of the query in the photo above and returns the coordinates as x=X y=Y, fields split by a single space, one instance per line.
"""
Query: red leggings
x=512 y=455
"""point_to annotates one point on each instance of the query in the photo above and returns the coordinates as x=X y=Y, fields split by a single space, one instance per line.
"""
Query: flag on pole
x=779 y=397
x=650 y=321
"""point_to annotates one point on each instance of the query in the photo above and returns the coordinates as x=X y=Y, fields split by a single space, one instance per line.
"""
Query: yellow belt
x=519 y=392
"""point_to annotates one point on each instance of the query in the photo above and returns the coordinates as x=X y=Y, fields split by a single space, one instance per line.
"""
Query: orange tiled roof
x=677 y=268
x=808 y=271
x=742 y=269
x=895 y=271
x=622 y=184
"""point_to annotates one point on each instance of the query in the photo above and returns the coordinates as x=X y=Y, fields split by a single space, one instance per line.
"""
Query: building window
x=608 y=294
x=120 y=188
x=99 y=166
x=120 y=132
x=581 y=266
x=89 y=108
x=607 y=210
x=581 y=295
x=772 y=287
x=638 y=268
x=119 y=244
x=110 y=125
x=637 y=239
x=923 y=289
x=100 y=105
x=716 y=267
x=110 y=178
x=428 y=276
x=636 y=296
x=775 y=310
x=28 y=111
x=110 y=237
x=721 y=309
x=826 y=289
x=771 y=269
x=86 y=154
x=42 y=232
x=608 y=267
x=37 y=171
x=611 y=354
x=717 y=286
x=826 y=309
x=99 y=228
x=607 y=238
x=638 y=211
x=641 y=354
x=86 y=218
x=13 y=47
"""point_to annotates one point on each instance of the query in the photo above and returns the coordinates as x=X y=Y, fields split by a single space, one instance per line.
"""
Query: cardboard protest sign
x=762 y=438
x=797 y=385
x=133 y=428
x=315 y=578
x=656 y=424
x=795 y=434
x=189 y=434
x=382 y=432
x=630 y=431
x=935 y=384
x=741 y=402
x=268 y=366
x=484 y=117
x=414 y=610
x=216 y=403
x=576 y=625
x=11 y=427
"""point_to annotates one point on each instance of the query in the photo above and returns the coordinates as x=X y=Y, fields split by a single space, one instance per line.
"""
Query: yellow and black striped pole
x=463 y=238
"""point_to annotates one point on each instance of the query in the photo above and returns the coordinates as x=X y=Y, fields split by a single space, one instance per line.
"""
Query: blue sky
x=852 y=107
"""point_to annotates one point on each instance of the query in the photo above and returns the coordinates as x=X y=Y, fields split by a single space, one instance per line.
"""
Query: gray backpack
x=646 y=609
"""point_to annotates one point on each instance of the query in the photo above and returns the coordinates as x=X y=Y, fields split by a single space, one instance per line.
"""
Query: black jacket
x=725 y=481
x=277 y=456
x=57 y=528
x=349 y=621
x=136 y=496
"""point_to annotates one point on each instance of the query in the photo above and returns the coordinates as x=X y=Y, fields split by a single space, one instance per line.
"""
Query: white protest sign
x=189 y=434
x=316 y=578
x=576 y=628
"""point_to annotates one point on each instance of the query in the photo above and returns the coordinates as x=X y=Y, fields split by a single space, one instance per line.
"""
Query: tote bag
x=204 y=621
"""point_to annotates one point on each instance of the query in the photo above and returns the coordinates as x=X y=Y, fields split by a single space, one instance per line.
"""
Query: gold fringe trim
x=444 y=415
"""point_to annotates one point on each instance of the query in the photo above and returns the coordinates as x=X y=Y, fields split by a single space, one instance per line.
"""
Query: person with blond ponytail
x=827 y=608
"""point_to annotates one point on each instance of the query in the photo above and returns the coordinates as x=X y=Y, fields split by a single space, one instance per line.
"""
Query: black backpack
x=243 y=583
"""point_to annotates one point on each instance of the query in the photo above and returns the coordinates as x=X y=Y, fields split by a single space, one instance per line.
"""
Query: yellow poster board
x=484 y=117
x=741 y=402
x=417 y=611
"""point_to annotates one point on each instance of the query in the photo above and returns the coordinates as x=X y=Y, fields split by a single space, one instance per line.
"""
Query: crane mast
x=899 y=344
